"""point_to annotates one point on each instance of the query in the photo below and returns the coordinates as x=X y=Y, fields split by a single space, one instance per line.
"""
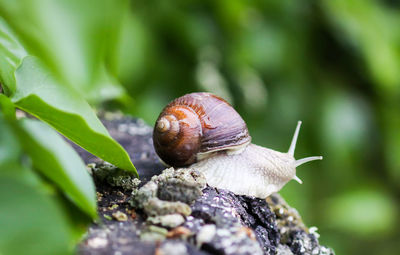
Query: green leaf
x=55 y=159
x=64 y=109
x=104 y=88
x=46 y=29
x=71 y=37
x=57 y=104
x=11 y=53
x=77 y=220
x=10 y=149
x=9 y=146
x=11 y=166
x=31 y=222
x=7 y=108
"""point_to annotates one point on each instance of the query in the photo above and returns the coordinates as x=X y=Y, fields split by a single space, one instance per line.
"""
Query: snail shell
x=194 y=126
x=205 y=132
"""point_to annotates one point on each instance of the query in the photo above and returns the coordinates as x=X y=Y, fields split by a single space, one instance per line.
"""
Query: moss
x=170 y=192
x=114 y=176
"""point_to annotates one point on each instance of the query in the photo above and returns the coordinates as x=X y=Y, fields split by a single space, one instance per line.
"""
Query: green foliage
x=28 y=229
x=32 y=206
x=72 y=38
x=57 y=161
x=66 y=111
x=9 y=146
x=56 y=57
x=368 y=25
x=12 y=53
x=58 y=104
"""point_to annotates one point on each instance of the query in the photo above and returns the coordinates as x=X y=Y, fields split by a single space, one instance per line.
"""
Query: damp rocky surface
x=174 y=211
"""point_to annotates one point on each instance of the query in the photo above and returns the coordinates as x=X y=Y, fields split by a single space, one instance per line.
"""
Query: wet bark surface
x=175 y=212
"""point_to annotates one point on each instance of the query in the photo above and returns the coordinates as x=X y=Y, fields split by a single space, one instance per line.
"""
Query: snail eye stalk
x=294 y=139
x=308 y=159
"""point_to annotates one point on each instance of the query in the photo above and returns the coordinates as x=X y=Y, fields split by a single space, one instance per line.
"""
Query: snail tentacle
x=293 y=147
x=294 y=139
x=308 y=159
x=297 y=179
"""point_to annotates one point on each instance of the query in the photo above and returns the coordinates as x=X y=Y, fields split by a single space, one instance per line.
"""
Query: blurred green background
x=335 y=65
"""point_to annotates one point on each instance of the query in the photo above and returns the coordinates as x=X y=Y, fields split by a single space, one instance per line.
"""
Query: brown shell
x=207 y=123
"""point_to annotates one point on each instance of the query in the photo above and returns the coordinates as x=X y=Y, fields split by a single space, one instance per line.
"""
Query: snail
x=204 y=132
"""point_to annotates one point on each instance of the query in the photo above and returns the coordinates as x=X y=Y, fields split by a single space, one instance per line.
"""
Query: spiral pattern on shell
x=197 y=123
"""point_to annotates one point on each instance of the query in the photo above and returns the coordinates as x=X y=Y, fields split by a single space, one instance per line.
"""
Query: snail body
x=204 y=132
